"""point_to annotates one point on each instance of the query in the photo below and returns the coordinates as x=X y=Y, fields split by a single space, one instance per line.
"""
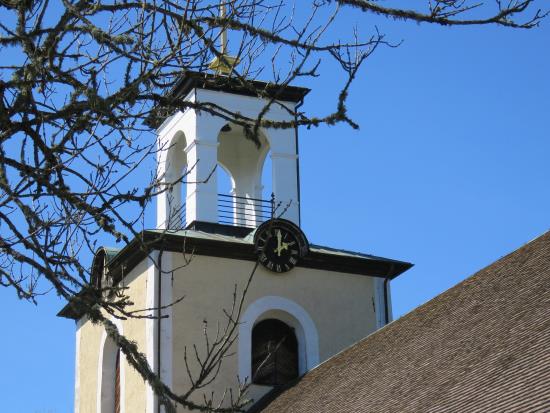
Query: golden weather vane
x=223 y=63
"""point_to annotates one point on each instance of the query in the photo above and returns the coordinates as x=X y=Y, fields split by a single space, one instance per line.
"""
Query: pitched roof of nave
x=483 y=345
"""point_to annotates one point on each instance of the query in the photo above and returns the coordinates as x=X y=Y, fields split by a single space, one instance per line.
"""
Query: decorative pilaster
x=285 y=188
x=202 y=188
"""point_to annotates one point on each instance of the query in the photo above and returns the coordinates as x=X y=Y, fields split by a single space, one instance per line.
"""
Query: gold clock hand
x=279 y=239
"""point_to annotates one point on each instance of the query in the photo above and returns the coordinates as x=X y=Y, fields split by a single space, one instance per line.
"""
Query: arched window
x=111 y=378
x=274 y=353
x=117 y=383
x=176 y=175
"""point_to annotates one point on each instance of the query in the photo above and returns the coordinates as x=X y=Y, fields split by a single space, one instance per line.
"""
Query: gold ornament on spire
x=223 y=63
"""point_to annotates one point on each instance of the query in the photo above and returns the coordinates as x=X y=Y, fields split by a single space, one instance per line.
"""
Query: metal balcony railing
x=244 y=212
x=177 y=219
x=236 y=211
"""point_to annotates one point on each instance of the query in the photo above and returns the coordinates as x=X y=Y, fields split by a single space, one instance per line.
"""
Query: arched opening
x=267 y=177
x=274 y=353
x=224 y=180
x=176 y=170
x=226 y=189
x=110 y=394
x=243 y=160
x=117 y=383
x=293 y=315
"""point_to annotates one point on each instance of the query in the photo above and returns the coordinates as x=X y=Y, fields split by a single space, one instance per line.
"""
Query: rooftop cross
x=223 y=63
x=223 y=34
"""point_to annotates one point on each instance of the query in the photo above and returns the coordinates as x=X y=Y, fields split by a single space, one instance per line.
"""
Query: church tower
x=193 y=143
x=303 y=303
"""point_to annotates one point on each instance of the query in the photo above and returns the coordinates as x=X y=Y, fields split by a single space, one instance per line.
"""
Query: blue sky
x=450 y=170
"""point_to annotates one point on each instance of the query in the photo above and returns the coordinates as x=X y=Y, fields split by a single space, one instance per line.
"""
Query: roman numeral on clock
x=280 y=245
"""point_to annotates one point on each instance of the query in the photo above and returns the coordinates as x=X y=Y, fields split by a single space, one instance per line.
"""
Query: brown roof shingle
x=482 y=346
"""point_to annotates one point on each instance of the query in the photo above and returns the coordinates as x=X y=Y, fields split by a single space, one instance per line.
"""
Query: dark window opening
x=274 y=353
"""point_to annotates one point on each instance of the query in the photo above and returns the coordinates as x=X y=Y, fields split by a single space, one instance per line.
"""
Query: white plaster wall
x=337 y=307
x=151 y=325
x=340 y=307
x=90 y=340
x=79 y=324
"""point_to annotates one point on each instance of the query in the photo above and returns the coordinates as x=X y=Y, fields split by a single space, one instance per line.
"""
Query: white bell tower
x=197 y=142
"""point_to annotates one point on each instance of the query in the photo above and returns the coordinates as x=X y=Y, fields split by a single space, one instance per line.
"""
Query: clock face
x=279 y=245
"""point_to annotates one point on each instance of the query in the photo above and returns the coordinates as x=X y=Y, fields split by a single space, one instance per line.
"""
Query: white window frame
x=106 y=373
x=290 y=313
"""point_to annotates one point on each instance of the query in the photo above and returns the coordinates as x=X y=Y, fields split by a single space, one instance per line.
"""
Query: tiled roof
x=482 y=346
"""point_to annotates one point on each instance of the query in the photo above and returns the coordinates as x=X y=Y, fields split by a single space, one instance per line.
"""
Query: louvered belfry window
x=117 y=382
x=274 y=353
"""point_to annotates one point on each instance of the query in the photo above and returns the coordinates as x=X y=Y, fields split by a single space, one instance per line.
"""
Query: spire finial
x=223 y=33
x=223 y=63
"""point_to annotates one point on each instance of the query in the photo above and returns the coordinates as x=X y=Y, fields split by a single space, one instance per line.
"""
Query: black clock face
x=279 y=245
